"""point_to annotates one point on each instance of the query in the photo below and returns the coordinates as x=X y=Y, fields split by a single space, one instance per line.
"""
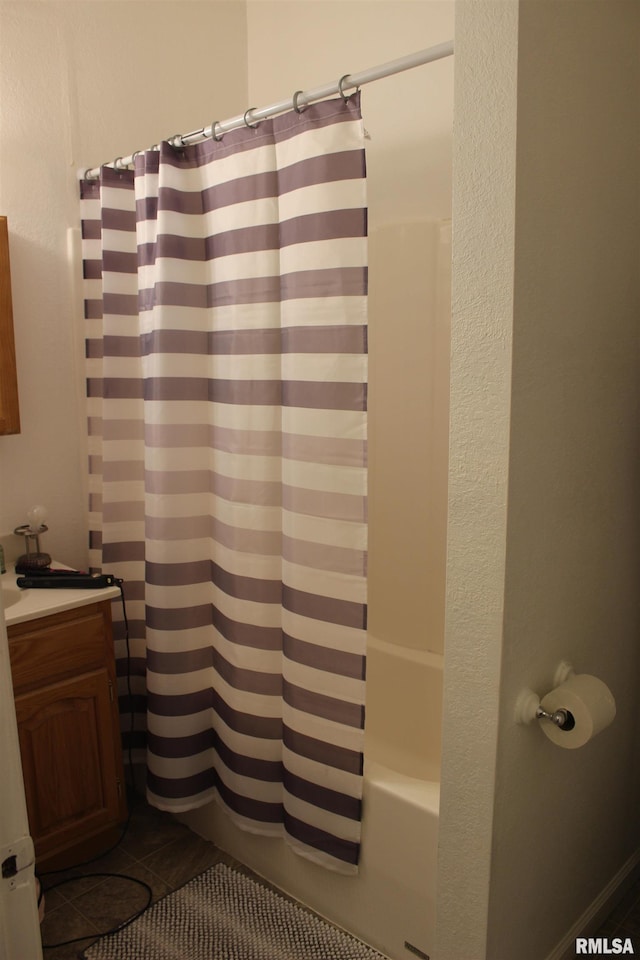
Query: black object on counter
x=67 y=580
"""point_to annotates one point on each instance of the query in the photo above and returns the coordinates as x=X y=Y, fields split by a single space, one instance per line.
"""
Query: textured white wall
x=544 y=550
x=82 y=83
x=481 y=343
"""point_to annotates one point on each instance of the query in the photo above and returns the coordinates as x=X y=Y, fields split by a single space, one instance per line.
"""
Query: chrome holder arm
x=558 y=717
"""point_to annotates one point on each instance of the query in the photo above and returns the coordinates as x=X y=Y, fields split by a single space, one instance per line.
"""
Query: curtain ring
x=213 y=132
x=341 y=88
x=295 y=102
x=251 y=126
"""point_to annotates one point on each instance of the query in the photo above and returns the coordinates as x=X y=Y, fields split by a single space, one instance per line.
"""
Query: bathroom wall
x=544 y=541
x=82 y=83
x=301 y=44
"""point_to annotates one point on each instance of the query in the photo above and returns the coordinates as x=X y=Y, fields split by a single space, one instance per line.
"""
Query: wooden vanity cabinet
x=66 y=705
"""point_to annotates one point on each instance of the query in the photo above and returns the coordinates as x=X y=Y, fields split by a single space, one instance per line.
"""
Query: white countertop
x=29 y=604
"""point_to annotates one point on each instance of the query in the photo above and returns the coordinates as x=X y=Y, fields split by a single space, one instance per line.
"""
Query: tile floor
x=156 y=849
x=165 y=854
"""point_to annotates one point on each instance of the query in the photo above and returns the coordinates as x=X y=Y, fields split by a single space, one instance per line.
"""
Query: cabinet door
x=69 y=762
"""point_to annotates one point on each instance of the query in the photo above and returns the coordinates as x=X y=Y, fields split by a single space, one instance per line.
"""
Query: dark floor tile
x=75 y=883
x=631 y=924
x=149 y=830
x=140 y=871
x=63 y=924
x=634 y=909
x=608 y=929
x=183 y=859
x=53 y=899
x=628 y=903
x=118 y=898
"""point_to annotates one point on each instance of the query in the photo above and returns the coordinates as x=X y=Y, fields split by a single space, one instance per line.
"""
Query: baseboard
x=598 y=911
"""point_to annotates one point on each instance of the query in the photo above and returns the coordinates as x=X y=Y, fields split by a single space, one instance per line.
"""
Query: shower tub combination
x=390 y=904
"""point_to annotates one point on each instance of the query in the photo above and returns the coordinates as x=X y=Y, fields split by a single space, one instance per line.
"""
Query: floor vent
x=419 y=953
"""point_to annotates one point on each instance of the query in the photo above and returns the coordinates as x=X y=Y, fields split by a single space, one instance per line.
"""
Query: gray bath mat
x=224 y=915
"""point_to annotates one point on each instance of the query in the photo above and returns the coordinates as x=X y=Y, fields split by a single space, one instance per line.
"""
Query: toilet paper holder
x=528 y=706
x=577 y=708
x=562 y=718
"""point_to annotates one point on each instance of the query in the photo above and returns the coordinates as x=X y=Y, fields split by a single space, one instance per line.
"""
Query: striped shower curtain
x=225 y=304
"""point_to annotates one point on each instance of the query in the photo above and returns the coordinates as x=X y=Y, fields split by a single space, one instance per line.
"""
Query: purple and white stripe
x=225 y=289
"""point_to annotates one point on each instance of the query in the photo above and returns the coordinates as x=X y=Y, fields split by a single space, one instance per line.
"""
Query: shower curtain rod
x=252 y=116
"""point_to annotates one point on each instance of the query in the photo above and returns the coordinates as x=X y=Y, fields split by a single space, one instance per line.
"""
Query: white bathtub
x=401 y=800
x=395 y=905
x=390 y=904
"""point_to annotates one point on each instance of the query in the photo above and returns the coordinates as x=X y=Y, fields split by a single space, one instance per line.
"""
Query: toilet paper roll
x=590 y=704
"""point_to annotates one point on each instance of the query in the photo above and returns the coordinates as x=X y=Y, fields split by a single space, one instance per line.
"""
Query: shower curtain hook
x=295 y=102
x=251 y=126
x=341 y=88
x=213 y=131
